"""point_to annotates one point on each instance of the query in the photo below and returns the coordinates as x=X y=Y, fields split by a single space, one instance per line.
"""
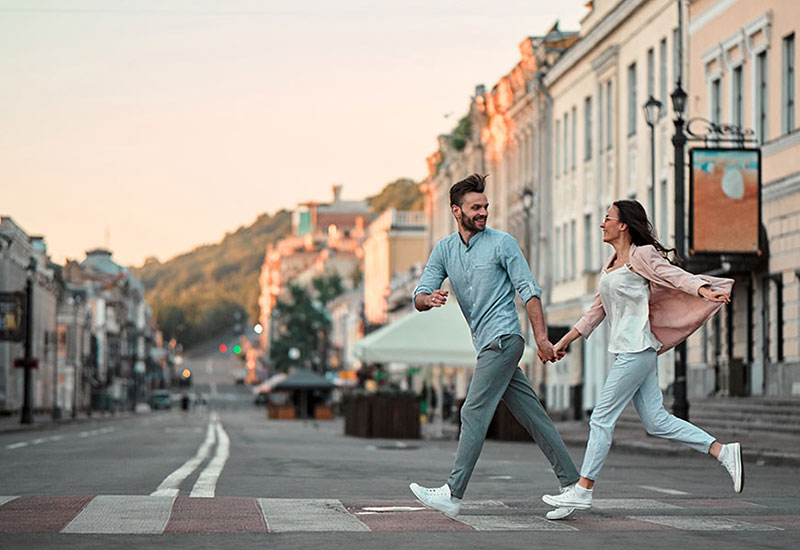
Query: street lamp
x=28 y=363
x=527 y=204
x=652 y=112
x=680 y=405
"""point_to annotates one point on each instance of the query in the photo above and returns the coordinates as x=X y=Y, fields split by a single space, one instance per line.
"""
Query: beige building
x=395 y=242
x=743 y=72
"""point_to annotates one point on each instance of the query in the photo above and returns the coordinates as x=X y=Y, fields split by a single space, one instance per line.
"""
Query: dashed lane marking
x=662 y=490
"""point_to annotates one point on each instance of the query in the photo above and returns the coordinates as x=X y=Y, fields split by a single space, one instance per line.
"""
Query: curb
x=50 y=423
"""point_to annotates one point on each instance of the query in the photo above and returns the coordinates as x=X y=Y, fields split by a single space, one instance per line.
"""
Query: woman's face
x=611 y=225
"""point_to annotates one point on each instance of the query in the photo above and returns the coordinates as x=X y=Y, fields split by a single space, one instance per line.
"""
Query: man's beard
x=469 y=223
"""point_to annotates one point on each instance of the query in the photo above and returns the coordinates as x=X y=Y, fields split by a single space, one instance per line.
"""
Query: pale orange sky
x=173 y=121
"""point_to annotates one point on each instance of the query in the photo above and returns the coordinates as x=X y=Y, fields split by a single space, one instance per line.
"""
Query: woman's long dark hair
x=633 y=214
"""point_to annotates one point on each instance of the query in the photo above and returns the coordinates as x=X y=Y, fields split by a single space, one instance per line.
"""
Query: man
x=486 y=267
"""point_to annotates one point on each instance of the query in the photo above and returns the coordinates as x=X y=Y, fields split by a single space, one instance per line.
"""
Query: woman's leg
x=649 y=403
x=627 y=374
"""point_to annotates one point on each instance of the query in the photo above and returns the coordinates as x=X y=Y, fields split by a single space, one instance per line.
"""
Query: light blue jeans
x=635 y=376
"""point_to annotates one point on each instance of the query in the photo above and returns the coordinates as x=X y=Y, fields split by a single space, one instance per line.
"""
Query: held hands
x=560 y=349
x=437 y=299
x=547 y=352
x=714 y=295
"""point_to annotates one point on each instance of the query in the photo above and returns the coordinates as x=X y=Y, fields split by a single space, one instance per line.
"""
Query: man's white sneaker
x=731 y=458
x=559 y=513
x=569 y=498
x=438 y=499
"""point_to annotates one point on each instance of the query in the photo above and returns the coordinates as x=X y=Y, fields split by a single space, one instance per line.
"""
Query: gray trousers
x=497 y=376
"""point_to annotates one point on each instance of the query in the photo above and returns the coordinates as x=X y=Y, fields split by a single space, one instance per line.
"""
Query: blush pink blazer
x=676 y=309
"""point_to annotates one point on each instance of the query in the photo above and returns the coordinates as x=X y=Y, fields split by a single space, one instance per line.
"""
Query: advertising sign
x=12 y=323
x=724 y=201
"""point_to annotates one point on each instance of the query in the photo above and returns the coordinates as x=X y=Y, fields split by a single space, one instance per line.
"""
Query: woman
x=651 y=306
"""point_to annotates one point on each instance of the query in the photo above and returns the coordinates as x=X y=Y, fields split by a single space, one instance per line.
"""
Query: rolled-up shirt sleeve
x=434 y=273
x=518 y=270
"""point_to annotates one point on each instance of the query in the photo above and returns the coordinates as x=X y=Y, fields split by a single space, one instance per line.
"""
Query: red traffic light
x=223 y=348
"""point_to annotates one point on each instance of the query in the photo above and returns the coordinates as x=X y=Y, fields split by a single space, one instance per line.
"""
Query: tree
x=302 y=324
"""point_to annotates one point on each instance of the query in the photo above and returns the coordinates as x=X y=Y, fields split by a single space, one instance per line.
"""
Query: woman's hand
x=714 y=295
x=560 y=349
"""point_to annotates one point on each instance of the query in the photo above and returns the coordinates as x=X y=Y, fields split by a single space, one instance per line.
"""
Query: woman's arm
x=653 y=266
x=561 y=346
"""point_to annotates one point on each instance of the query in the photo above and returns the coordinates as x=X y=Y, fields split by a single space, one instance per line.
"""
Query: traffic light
x=223 y=348
x=237 y=349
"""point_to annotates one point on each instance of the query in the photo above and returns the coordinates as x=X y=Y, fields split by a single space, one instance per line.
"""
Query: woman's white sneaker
x=569 y=498
x=559 y=513
x=731 y=458
x=438 y=499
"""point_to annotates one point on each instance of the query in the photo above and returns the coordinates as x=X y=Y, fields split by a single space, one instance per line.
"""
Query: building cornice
x=588 y=43
x=781 y=188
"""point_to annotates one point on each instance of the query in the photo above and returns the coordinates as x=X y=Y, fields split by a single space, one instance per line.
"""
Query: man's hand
x=437 y=299
x=560 y=349
x=545 y=351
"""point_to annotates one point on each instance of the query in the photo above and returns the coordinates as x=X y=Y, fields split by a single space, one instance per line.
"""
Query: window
x=558 y=148
x=600 y=135
x=574 y=135
x=737 y=102
x=788 y=84
x=662 y=79
x=761 y=97
x=651 y=73
x=663 y=215
x=716 y=101
x=676 y=55
x=566 y=131
x=560 y=268
x=609 y=118
x=587 y=129
x=572 y=250
x=632 y=104
x=587 y=243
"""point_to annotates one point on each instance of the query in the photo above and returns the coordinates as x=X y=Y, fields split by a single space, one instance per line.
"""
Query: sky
x=154 y=126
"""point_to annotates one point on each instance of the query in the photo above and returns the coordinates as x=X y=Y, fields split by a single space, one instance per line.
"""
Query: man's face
x=473 y=212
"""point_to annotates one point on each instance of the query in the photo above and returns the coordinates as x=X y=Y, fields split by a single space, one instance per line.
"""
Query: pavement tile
x=631 y=504
x=707 y=523
x=517 y=522
x=215 y=515
x=712 y=503
x=39 y=514
x=131 y=514
x=409 y=515
x=599 y=522
x=287 y=514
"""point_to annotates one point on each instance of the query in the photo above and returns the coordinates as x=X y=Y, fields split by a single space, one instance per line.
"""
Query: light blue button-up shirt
x=485 y=276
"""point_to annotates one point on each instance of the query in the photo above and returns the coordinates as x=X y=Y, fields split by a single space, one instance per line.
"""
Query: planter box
x=382 y=416
x=323 y=413
x=280 y=413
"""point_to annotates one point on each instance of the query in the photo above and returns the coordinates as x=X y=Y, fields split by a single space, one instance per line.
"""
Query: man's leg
x=495 y=367
x=528 y=410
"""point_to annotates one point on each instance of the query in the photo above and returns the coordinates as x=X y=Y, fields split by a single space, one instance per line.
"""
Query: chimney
x=337 y=192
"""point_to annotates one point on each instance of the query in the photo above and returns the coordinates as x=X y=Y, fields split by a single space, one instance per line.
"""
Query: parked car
x=161 y=399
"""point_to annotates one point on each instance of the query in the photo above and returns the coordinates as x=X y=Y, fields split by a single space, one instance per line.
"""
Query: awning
x=303 y=379
x=439 y=336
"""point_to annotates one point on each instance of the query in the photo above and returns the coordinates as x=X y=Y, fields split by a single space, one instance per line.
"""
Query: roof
x=303 y=379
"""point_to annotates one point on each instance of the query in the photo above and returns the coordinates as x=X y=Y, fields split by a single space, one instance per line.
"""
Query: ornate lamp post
x=652 y=111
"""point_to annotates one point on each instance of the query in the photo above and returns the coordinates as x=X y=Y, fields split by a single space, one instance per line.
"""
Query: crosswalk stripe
x=3 y=499
x=526 y=522
x=286 y=514
x=631 y=504
x=133 y=514
x=706 y=523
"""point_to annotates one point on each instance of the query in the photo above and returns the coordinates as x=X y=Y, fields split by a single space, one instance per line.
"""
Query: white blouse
x=625 y=297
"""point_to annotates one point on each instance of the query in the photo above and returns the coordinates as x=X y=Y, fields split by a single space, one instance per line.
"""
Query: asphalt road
x=311 y=487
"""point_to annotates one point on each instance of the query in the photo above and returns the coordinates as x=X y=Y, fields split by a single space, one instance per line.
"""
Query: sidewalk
x=10 y=424
x=772 y=449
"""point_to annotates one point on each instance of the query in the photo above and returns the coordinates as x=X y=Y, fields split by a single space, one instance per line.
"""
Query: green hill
x=198 y=294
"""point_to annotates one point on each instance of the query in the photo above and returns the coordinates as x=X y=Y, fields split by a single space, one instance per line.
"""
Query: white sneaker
x=438 y=499
x=560 y=513
x=569 y=498
x=733 y=463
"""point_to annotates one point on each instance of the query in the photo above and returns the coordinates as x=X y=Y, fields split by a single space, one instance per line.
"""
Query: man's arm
x=533 y=308
x=428 y=294
x=521 y=277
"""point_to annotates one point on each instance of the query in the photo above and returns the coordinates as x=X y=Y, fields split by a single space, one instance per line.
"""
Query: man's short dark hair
x=471 y=184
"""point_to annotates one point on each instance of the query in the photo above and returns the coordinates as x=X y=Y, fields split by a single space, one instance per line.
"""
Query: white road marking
x=17 y=445
x=3 y=500
x=660 y=490
x=631 y=504
x=288 y=514
x=133 y=514
x=38 y=440
x=169 y=487
x=376 y=509
x=705 y=523
x=206 y=484
x=525 y=522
